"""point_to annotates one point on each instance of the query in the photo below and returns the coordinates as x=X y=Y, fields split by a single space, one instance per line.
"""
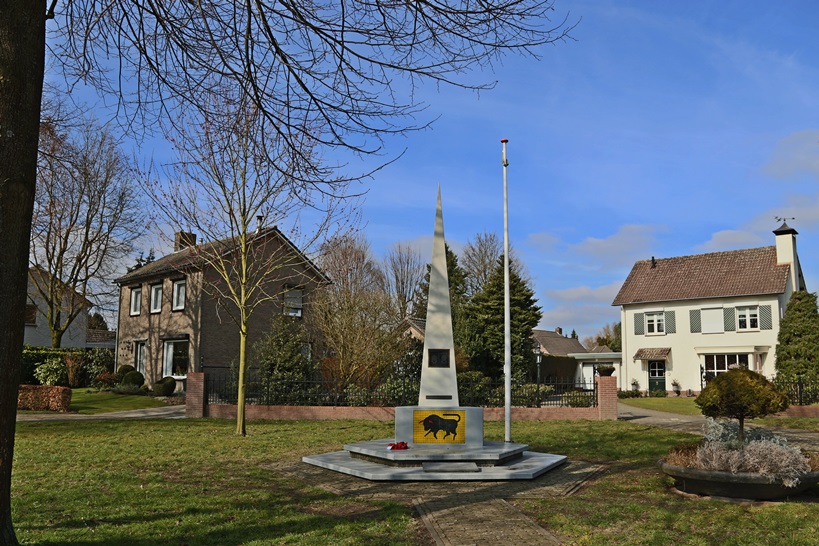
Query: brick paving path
x=460 y=513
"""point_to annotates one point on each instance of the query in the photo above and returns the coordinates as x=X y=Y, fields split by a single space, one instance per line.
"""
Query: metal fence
x=801 y=392
x=401 y=392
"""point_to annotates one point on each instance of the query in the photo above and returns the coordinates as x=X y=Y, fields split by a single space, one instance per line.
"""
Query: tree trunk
x=22 y=54
x=240 y=402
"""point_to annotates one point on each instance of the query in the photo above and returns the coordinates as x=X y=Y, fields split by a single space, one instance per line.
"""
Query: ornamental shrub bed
x=43 y=398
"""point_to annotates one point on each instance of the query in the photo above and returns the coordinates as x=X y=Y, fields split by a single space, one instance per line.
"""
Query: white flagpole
x=507 y=329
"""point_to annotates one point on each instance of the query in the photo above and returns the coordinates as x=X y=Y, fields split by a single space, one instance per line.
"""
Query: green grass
x=674 y=404
x=194 y=482
x=89 y=402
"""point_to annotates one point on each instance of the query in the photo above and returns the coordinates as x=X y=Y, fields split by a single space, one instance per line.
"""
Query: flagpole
x=507 y=330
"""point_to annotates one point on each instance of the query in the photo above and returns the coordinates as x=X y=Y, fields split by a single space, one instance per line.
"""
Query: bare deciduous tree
x=86 y=216
x=324 y=71
x=224 y=187
x=479 y=258
x=353 y=315
x=403 y=270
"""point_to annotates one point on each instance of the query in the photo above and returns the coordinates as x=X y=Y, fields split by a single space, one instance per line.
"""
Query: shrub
x=34 y=356
x=165 y=386
x=740 y=394
x=98 y=361
x=124 y=370
x=104 y=381
x=474 y=388
x=357 y=396
x=629 y=394
x=40 y=398
x=658 y=393
x=75 y=369
x=531 y=395
x=52 y=372
x=127 y=389
x=133 y=378
x=577 y=399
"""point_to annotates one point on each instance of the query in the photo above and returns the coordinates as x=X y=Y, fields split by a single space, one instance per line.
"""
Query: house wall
x=155 y=328
x=220 y=333
x=39 y=335
x=688 y=348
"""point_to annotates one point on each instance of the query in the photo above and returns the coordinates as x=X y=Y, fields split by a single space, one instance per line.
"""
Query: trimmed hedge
x=42 y=398
x=133 y=378
x=165 y=386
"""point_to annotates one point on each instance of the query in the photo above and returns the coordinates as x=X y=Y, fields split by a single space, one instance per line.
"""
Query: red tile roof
x=555 y=344
x=746 y=272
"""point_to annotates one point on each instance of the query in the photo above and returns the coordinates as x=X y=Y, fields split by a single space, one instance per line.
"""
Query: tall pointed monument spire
x=439 y=383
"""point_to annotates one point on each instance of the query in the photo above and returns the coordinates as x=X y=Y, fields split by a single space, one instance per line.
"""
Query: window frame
x=291 y=308
x=156 y=302
x=179 y=286
x=655 y=323
x=750 y=314
x=30 y=315
x=722 y=362
x=135 y=308
x=167 y=358
x=140 y=353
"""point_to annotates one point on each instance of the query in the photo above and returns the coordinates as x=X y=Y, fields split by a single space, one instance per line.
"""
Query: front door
x=656 y=375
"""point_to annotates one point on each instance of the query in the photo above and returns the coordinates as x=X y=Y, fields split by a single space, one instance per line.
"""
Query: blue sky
x=665 y=129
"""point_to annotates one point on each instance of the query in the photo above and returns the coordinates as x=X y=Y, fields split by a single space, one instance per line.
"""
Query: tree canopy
x=740 y=394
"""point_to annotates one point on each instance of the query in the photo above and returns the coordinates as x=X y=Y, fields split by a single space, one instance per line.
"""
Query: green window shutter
x=639 y=324
x=765 y=319
x=695 y=319
x=670 y=322
x=730 y=320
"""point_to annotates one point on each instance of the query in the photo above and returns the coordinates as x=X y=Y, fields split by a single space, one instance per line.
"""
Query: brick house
x=171 y=321
x=689 y=318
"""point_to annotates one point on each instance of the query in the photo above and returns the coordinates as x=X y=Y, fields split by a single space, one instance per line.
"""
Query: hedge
x=41 y=398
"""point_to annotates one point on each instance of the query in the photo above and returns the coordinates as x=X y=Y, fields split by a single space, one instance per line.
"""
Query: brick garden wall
x=196 y=406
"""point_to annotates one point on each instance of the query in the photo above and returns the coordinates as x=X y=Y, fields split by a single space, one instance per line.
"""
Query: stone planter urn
x=605 y=370
x=742 y=485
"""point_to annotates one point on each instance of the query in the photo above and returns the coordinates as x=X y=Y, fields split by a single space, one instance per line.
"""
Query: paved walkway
x=693 y=424
x=164 y=412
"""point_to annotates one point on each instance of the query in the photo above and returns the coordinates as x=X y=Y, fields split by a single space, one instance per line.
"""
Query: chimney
x=183 y=239
x=653 y=262
x=786 y=251
x=259 y=219
x=559 y=331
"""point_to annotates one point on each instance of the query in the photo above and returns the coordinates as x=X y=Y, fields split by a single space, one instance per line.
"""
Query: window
x=747 y=318
x=156 y=298
x=139 y=356
x=176 y=360
x=293 y=302
x=31 y=315
x=717 y=364
x=655 y=323
x=178 y=295
x=136 y=300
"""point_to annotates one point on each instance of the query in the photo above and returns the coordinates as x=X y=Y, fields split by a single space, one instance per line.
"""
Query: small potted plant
x=635 y=385
x=605 y=369
x=676 y=386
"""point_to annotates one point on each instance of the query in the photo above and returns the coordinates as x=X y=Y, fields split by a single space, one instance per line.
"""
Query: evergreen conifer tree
x=797 y=350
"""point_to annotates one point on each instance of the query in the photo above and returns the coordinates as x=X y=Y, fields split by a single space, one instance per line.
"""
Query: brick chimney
x=183 y=239
x=559 y=331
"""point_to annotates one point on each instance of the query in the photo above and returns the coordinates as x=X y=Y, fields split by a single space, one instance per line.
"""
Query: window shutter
x=670 y=322
x=765 y=319
x=730 y=321
x=695 y=319
x=639 y=324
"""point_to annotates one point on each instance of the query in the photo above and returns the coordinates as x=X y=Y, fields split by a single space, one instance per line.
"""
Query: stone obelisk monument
x=438 y=418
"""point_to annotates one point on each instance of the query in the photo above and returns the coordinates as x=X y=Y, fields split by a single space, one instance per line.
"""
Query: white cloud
x=794 y=155
x=585 y=320
x=543 y=242
x=732 y=239
x=601 y=294
x=630 y=243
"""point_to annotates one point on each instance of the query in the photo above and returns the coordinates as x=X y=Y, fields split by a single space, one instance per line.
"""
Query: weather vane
x=783 y=219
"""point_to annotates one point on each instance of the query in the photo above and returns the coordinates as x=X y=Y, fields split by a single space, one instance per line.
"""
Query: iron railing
x=803 y=391
x=400 y=392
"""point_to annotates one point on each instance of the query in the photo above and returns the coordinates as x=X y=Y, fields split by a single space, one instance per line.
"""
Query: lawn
x=194 y=482
x=683 y=405
x=89 y=401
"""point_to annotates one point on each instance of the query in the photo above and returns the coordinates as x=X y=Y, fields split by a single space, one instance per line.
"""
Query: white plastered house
x=689 y=318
